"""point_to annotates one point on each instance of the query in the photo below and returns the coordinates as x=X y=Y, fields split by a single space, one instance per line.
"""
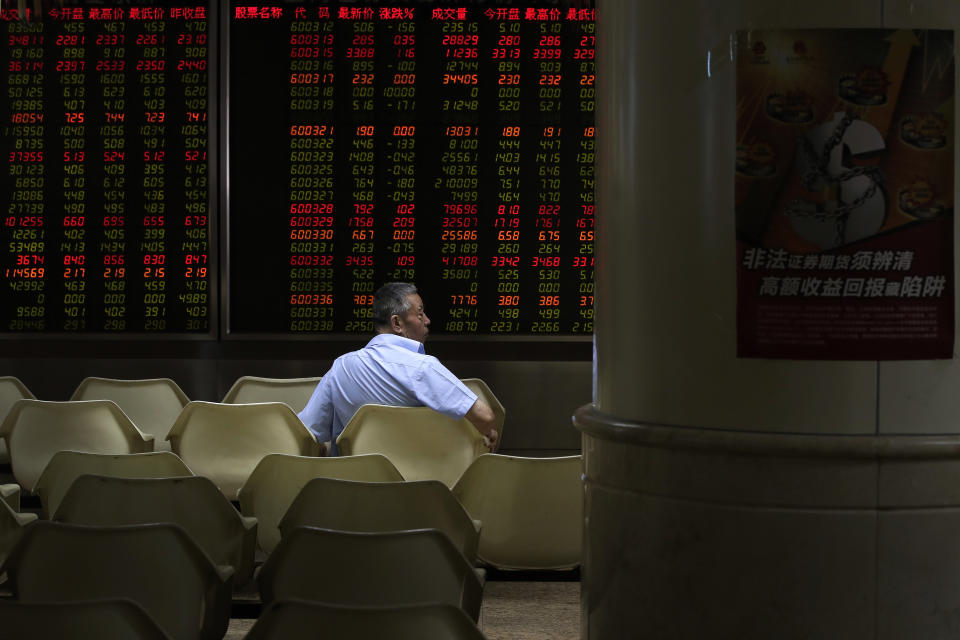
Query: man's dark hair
x=391 y=299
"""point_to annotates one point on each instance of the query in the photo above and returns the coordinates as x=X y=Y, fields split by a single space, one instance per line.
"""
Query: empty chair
x=370 y=569
x=36 y=429
x=192 y=502
x=531 y=509
x=293 y=392
x=484 y=393
x=11 y=390
x=421 y=443
x=66 y=466
x=11 y=528
x=158 y=566
x=278 y=478
x=300 y=620
x=152 y=404
x=347 y=505
x=224 y=442
x=108 y=619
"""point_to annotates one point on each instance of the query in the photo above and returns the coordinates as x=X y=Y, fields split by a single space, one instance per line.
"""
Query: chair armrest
x=10 y=493
x=24 y=519
x=224 y=572
x=148 y=442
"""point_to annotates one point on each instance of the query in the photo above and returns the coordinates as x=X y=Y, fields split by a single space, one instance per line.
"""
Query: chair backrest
x=152 y=404
x=294 y=392
x=300 y=620
x=421 y=443
x=531 y=509
x=109 y=619
x=224 y=442
x=66 y=466
x=11 y=528
x=347 y=505
x=193 y=502
x=370 y=569
x=483 y=392
x=156 y=565
x=278 y=478
x=36 y=429
x=11 y=390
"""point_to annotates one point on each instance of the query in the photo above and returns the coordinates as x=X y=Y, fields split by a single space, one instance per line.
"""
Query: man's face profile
x=414 y=323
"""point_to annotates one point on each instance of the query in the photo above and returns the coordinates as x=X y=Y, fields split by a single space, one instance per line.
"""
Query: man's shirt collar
x=395 y=340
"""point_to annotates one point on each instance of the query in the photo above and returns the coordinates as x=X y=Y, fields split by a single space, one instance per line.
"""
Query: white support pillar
x=741 y=498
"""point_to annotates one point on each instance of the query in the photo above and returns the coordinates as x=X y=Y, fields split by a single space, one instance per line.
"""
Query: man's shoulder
x=349 y=355
x=384 y=352
x=389 y=347
x=403 y=358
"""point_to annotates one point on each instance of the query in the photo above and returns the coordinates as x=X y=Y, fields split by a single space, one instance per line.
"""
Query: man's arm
x=481 y=416
x=318 y=414
x=436 y=387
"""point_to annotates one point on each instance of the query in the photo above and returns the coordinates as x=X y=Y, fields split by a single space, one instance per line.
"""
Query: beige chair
x=156 y=565
x=11 y=528
x=294 y=392
x=347 y=505
x=36 y=429
x=152 y=404
x=421 y=443
x=224 y=442
x=484 y=393
x=300 y=620
x=193 y=502
x=531 y=509
x=370 y=569
x=278 y=478
x=110 y=619
x=66 y=466
x=11 y=390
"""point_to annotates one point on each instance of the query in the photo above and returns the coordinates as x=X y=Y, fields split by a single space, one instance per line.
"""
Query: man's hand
x=481 y=416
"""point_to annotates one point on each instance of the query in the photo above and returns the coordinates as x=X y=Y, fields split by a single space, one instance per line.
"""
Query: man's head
x=398 y=309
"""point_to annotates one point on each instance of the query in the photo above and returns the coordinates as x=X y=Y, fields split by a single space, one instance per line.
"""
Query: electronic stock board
x=106 y=174
x=448 y=145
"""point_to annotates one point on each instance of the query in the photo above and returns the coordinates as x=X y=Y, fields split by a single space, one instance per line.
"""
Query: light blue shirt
x=390 y=370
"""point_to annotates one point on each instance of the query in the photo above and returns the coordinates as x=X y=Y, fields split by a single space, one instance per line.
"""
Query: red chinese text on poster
x=844 y=194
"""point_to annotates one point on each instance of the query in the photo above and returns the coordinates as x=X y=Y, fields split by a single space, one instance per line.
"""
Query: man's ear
x=395 y=324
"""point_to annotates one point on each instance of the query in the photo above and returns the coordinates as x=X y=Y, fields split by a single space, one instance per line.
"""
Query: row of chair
x=358 y=536
x=154 y=404
x=530 y=507
x=371 y=561
x=163 y=569
x=375 y=556
x=225 y=441
x=124 y=619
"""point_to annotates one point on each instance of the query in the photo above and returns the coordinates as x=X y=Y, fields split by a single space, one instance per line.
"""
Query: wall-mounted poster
x=845 y=194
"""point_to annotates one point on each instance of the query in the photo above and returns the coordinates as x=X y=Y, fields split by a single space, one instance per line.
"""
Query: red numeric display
x=105 y=181
x=450 y=146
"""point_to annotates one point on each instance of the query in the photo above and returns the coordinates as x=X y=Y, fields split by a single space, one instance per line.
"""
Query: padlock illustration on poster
x=855 y=206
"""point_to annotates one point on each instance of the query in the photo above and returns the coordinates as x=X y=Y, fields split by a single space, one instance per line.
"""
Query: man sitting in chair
x=392 y=369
